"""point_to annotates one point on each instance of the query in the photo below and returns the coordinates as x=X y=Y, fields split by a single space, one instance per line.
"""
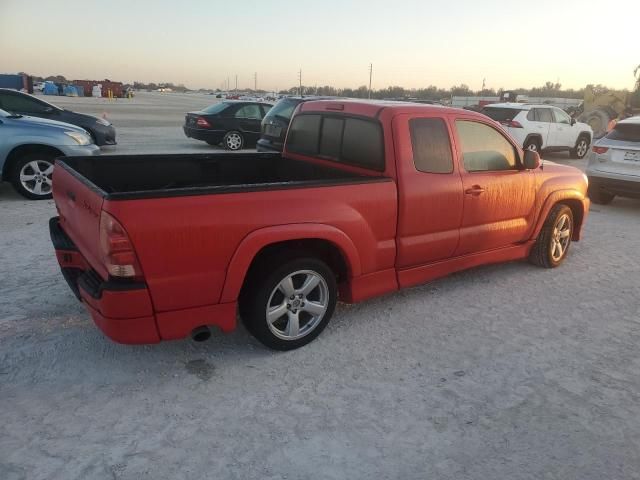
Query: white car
x=614 y=163
x=542 y=127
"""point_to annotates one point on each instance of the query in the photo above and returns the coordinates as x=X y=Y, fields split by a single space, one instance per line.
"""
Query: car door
x=540 y=121
x=563 y=134
x=249 y=117
x=16 y=102
x=429 y=190
x=499 y=196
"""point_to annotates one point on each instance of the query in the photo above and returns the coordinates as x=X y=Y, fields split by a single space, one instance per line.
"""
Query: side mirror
x=531 y=160
x=573 y=121
x=49 y=110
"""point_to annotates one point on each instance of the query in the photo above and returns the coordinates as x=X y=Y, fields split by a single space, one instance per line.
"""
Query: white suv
x=542 y=127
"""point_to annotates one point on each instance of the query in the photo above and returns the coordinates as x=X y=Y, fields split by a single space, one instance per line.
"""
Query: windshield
x=500 y=114
x=216 y=108
x=284 y=108
x=626 y=132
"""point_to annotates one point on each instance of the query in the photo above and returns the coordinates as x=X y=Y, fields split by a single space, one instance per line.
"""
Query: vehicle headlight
x=80 y=138
x=102 y=121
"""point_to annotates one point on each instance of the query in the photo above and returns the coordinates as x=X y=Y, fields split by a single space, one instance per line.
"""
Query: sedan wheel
x=233 y=141
x=33 y=177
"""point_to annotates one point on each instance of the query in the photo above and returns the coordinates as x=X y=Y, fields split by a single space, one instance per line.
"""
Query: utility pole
x=300 y=82
x=484 y=81
x=255 y=82
x=236 y=83
x=370 y=75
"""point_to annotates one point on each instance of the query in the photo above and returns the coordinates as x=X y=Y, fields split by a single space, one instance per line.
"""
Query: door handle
x=474 y=190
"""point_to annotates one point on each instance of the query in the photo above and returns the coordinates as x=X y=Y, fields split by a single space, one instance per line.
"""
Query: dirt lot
x=503 y=372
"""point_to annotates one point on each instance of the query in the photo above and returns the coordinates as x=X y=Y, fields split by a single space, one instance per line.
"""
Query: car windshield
x=216 y=108
x=284 y=109
x=500 y=114
x=626 y=132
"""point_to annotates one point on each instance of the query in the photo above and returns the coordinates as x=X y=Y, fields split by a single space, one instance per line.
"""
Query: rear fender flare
x=560 y=196
x=259 y=239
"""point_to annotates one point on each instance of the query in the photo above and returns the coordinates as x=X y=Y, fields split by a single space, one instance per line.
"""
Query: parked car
x=614 y=163
x=542 y=127
x=102 y=131
x=276 y=121
x=162 y=246
x=234 y=124
x=29 y=146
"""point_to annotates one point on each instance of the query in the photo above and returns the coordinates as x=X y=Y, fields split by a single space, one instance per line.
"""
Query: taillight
x=202 y=122
x=514 y=124
x=118 y=254
x=600 y=150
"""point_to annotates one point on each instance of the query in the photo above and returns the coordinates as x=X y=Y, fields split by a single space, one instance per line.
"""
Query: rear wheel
x=533 y=144
x=32 y=175
x=554 y=239
x=287 y=303
x=233 y=140
x=581 y=148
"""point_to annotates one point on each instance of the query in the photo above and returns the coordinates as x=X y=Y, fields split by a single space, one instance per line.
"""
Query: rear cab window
x=344 y=139
x=431 y=145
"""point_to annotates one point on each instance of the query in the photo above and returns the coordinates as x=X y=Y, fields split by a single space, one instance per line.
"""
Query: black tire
x=45 y=162
x=233 y=140
x=541 y=253
x=533 y=144
x=598 y=196
x=261 y=290
x=581 y=148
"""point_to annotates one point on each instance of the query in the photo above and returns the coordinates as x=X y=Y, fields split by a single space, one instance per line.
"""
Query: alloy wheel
x=36 y=177
x=560 y=237
x=297 y=305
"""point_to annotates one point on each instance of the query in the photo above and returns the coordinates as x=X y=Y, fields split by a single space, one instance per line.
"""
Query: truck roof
x=373 y=108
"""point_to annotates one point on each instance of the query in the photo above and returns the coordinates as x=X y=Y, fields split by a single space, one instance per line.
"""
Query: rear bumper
x=214 y=136
x=123 y=310
x=614 y=184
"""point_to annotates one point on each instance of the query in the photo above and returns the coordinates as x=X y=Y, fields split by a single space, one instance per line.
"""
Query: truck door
x=429 y=190
x=499 y=197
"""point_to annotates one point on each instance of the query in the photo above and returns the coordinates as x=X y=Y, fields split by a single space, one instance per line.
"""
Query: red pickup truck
x=367 y=198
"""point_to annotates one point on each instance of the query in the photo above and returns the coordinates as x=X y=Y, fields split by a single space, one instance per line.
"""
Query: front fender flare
x=258 y=239
x=574 y=196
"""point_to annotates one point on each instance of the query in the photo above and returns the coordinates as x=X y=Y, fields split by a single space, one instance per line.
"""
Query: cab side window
x=484 y=148
x=431 y=145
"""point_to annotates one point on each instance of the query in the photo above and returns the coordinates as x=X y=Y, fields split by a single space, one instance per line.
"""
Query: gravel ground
x=502 y=372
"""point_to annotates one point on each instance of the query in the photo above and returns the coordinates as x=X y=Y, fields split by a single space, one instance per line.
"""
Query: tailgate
x=79 y=204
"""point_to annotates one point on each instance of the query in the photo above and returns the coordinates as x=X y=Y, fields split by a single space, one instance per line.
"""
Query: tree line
x=549 y=89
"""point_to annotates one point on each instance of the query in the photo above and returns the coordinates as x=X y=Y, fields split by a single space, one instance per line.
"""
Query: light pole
x=300 y=82
x=255 y=82
x=236 y=83
x=370 y=75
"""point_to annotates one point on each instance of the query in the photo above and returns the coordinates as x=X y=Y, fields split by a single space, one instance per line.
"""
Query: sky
x=411 y=43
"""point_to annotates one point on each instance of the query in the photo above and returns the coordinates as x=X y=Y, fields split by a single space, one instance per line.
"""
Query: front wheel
x=288 y=304
x=233 y=140
x=581 y=148
x=32 y=176
x=554 y=239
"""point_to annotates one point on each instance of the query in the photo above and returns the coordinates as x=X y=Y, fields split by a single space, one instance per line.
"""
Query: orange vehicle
x=367 y=198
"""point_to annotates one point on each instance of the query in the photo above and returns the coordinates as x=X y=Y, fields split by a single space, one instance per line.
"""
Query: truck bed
x=124 y=177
